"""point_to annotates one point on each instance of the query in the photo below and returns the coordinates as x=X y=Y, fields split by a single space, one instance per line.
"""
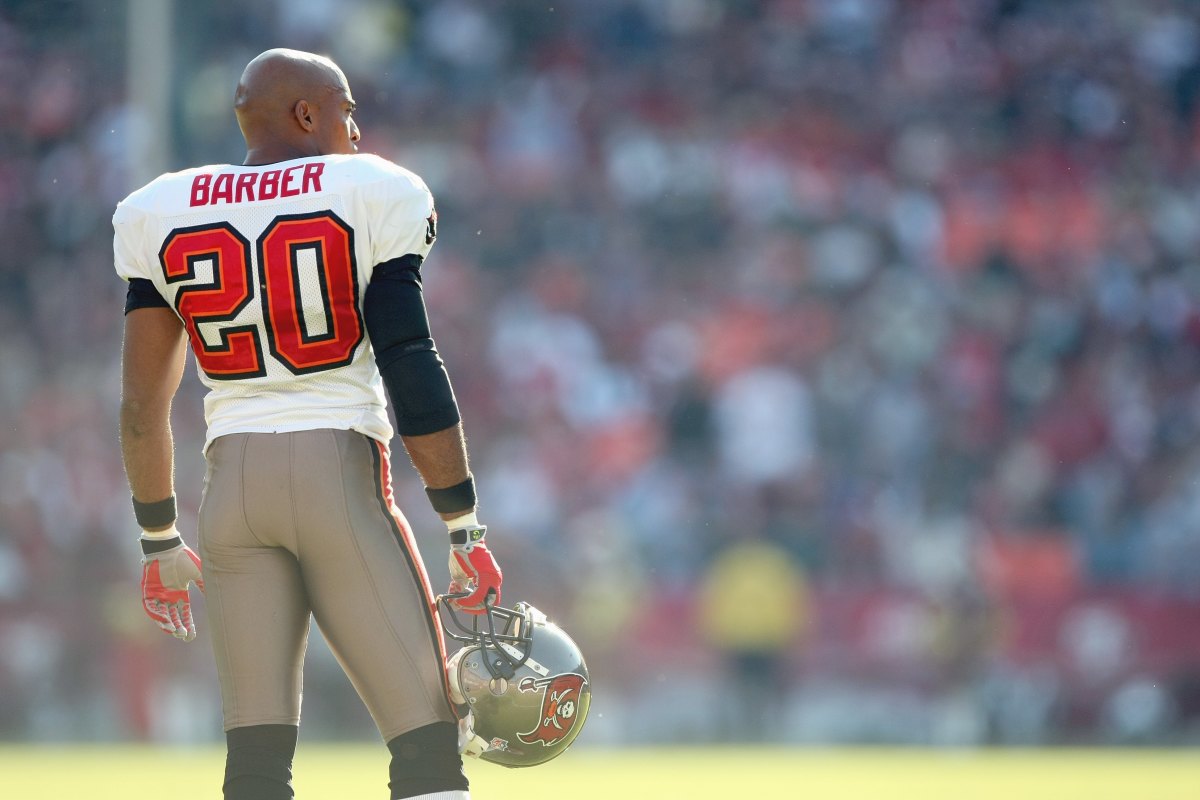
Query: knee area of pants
x=426 y=760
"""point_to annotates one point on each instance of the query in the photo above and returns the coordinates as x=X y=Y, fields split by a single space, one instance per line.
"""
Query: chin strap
x=469 y=742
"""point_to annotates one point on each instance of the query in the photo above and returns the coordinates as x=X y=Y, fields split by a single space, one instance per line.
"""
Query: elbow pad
x=408 y=360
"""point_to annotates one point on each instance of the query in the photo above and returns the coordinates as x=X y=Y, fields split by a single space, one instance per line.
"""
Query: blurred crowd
x=871 y=323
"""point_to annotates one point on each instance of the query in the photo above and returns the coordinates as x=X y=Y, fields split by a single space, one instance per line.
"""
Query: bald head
x=291 y=104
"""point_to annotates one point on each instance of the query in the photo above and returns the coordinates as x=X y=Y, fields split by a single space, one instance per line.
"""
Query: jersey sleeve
x=129 y=256
x=405 y=222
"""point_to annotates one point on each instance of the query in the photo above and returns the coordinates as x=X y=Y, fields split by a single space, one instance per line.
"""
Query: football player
x=296 y=280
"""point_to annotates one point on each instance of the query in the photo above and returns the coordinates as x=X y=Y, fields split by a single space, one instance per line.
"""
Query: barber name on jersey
x=245 y=187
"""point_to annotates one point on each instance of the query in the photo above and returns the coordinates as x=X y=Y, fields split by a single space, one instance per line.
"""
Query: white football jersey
x=268 y=266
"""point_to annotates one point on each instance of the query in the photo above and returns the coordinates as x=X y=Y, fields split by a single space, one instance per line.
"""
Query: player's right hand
x=473 y=569
x=168 y=567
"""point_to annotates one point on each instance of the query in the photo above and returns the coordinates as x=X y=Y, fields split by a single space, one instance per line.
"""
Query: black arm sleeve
x=142 y=294
x=412 y=370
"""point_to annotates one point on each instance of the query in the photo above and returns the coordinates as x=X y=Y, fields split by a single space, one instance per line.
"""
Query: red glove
x=473 y=569
x=168 y=567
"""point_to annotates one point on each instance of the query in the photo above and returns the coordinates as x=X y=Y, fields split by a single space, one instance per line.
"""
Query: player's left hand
x=473 y=569
x=168 y=567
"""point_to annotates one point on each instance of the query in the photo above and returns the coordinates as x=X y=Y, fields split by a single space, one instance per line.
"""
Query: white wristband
x=167 y=534
x=467 y=520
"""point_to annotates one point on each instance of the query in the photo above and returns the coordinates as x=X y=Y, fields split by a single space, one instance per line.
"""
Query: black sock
x=426 y=760
x=259 y=762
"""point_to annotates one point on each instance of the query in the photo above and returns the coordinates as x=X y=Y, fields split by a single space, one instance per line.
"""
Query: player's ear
x=302 y=111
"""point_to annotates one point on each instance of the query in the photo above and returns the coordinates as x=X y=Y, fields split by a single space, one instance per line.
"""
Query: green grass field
x=357 y=772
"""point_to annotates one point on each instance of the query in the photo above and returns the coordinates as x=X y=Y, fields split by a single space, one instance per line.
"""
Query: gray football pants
x=294 y=524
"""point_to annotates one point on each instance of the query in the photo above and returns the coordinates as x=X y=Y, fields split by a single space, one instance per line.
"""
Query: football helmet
x=520 y=681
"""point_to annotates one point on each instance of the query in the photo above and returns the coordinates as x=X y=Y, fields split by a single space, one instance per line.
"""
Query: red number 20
x=239 y=353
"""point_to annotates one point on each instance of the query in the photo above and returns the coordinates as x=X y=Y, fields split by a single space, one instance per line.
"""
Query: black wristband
x=459 y=497
x=152 y=546
x=158 y=514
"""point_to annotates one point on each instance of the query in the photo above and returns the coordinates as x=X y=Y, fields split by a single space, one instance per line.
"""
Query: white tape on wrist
x=167 y=534
x=468 y=520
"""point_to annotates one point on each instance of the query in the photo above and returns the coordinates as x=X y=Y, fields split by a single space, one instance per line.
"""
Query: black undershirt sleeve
x=416 y=378
x=142 y=294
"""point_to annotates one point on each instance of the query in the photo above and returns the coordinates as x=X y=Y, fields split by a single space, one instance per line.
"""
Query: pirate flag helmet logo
x=520 y=683
x=560 y=702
